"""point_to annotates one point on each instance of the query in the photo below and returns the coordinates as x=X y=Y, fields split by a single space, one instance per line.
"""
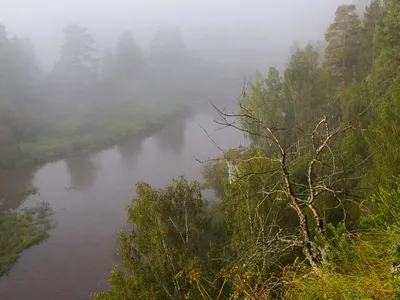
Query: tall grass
x=363 y=273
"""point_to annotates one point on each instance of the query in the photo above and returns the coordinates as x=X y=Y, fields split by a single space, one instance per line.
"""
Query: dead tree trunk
x=321 y=138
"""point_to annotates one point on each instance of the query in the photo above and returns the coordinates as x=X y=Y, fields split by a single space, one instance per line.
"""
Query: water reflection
x=15 y=186
x=172 y=137
x=82 y=170
x=89 y=218
x=129 y=152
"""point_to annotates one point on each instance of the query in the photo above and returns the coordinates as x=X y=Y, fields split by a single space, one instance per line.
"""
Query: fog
x=244 y=35
x=96 y=95
x=92 y=72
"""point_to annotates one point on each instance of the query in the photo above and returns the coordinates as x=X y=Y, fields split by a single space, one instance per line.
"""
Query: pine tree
x=342 y=51
x=77 y=65
x=388 y=39
x=370 y=30
x=129 y=59
x=384 y=132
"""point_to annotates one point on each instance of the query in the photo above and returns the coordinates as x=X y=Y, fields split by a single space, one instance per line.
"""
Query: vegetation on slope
x=312 y=211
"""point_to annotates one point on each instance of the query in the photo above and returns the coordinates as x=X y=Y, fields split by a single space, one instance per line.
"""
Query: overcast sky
x=253 y=24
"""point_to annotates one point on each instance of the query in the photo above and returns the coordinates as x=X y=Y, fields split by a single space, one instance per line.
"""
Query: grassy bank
x=88 y=131
x=20 y=230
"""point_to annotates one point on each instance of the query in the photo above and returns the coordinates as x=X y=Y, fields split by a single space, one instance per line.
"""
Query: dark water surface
x=88 y=194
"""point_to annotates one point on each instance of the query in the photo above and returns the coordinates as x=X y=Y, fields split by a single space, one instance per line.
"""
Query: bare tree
x=324 y=178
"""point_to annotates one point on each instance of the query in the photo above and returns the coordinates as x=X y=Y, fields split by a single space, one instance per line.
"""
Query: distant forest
x=91 y=99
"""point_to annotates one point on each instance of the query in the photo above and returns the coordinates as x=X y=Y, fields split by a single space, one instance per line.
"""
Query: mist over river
x=88 y=194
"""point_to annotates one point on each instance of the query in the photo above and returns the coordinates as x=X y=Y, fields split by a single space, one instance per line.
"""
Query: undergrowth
x=362 y=271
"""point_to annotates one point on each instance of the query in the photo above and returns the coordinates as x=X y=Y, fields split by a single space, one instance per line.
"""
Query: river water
x=88 y=194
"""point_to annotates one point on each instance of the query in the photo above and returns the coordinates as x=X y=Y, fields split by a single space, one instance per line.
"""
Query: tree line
x=91 y=99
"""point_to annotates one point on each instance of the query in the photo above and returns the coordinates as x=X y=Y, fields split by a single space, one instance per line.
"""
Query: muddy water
x=88 y=194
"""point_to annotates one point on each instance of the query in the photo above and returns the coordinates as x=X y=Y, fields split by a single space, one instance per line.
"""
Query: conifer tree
x=343 y=45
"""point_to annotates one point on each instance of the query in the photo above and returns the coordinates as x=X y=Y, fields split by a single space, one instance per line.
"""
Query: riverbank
x=21 y=230
x=82 y=244
x=105 y=130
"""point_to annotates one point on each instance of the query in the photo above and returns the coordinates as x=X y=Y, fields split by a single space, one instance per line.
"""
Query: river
x=88 y=194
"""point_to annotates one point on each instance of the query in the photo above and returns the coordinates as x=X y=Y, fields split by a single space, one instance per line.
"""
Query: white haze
x=244 y=34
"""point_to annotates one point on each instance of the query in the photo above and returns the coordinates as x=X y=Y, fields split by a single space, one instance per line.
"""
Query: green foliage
x=372 y=24
x=385 y=207
x=383 y=93
x=342 y=51
x=300 y=87
x=360 y=269
x=215 y=173
x=340 y=246
x=251 y=204
x=291 y=102
x=88 y=131
x=288 y=223
x=167 y=237
x=21 y=230
x=386 y=38
x=384 y=134
x=266 y=99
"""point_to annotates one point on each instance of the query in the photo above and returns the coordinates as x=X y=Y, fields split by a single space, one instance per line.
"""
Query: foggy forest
x=170 y=149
